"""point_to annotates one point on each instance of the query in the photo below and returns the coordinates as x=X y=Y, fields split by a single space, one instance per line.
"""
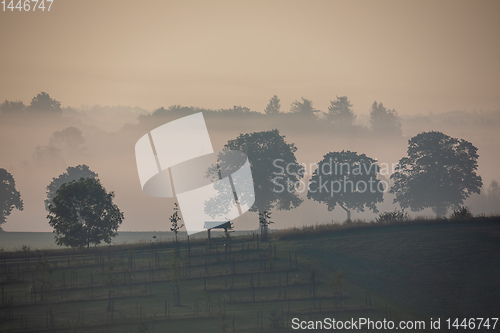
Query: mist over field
x=402 y=95
x=136 y=67
x=33 y=149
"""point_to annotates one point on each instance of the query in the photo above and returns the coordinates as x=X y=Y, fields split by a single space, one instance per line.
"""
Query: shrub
x=461 y=212
x=395 y=216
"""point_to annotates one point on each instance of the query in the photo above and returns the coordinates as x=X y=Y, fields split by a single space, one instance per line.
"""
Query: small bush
x=461 y=212
x=395 y=216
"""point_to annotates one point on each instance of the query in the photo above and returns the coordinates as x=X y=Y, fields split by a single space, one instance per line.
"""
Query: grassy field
x=410 y=271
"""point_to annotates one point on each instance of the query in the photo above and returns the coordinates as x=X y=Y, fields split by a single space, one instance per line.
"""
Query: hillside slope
x=412 y=271
x=435 y=269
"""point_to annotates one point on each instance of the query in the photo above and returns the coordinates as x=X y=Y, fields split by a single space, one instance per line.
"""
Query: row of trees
x=439 y=172
x=41 y=102
x=80 y=209
x=340 y=112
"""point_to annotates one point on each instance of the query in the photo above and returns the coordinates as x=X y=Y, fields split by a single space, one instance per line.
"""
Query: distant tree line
x=340 y=112
x=438 y=172
x=40 y=103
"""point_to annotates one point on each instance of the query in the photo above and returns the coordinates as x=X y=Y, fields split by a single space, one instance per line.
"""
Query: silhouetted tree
x=71 y=174
x=10 y=107
x=83 y=213
x=43 y=102
x=274 y=105
x=305 y=107
x=340 y=112
x=348 y=180
x=383 y=120
x=494 y=189
x=10 y=197
x=174 y=220
x=274 y=186
x=68 y=138
x=439 y=172
x=265 y=219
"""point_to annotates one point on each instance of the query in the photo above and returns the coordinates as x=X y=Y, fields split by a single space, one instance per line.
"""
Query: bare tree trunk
x=347 y=211
x=263 y=231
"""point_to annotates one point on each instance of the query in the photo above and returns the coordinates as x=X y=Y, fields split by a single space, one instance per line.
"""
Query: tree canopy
x=68 y=138
x=439 y=172
x=43 y=102
x=304 y=108
x=274 y=106
x=274 y=186
x=10 y=197
x=383 y=120
x=340 y=112
x=12 y=107
x=71 y=174
x=83 y=213
x=347 y=179
x=175 y=218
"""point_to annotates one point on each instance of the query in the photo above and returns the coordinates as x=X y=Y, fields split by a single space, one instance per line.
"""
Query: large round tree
x=83 y=213
x=439 y=172
x=10 y=197
x=71 y=174
x=43 y=102
x=347 y=179
x=269 y=154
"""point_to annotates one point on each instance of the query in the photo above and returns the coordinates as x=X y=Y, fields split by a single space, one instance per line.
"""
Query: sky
x=415 y=56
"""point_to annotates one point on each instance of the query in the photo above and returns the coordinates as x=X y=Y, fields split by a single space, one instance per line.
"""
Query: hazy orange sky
x=417 y=56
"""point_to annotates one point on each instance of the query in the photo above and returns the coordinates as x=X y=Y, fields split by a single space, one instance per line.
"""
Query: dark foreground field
x=401 y=272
